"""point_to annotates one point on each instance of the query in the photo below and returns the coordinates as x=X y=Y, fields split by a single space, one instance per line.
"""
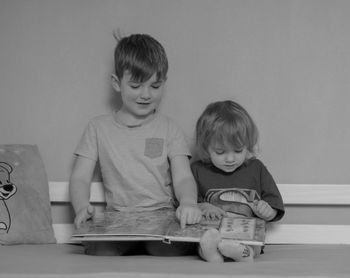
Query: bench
x=293 y=250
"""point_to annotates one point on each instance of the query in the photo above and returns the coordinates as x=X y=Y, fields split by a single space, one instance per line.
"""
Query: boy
x=143 y=155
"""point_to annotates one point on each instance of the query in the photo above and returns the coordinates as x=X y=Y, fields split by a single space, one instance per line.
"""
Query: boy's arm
x=79 y=188
x=185 y=189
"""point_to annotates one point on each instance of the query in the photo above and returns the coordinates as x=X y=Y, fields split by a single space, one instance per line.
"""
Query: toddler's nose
x=230 y=157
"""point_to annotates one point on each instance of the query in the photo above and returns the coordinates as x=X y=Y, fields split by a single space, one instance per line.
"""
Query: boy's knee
x=100 y=249
x=158 y=248
x=107 y=248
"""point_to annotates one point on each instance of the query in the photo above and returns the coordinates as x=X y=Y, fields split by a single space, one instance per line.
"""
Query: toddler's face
x=225 y=158
x=141 y=99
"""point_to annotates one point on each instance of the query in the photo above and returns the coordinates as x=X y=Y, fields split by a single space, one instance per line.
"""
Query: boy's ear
x=115 y=83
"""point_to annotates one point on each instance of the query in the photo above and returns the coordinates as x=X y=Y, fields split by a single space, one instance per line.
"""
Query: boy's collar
x=121 y=123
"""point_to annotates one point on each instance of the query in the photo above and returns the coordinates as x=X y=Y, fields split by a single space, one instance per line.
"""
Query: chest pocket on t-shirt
x=154 y=147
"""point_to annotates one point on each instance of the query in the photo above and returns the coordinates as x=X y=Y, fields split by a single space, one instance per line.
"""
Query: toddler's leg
x=108 y=248
x=208 y=246
x=159 y=248
x=237 y=251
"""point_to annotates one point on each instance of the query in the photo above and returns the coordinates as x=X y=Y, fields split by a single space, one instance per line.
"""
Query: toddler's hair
x=228 y=124
x=142 y=56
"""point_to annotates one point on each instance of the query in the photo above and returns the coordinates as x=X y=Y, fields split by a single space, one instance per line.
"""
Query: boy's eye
x=238 y=151
x=156 y=86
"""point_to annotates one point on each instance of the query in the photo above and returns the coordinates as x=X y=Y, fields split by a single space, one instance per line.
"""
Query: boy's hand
x=188 y=214
x=83 y=215
x=211 y=212
x=263 y=210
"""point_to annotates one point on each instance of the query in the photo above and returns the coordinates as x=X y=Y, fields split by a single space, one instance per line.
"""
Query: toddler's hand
x=211 y=212
x=188 y=214
x=263 y=210
x=83 y=215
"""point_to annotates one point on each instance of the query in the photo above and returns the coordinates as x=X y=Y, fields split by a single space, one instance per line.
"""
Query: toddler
x=226 y=140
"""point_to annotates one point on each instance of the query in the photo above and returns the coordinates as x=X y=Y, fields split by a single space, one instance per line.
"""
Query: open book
x=163 y=225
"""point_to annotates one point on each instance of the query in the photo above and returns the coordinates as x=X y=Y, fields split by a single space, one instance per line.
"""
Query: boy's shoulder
x=101 y=119
x=166 y=119
x=167 y=122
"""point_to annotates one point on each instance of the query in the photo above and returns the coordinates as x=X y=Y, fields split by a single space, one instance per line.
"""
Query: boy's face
x=225 y=158
x=140 y=100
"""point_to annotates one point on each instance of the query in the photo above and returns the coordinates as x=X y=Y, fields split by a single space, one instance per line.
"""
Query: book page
x=163 y=225
x=114 y=223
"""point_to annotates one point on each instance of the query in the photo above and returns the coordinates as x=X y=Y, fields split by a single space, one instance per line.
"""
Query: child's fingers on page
x=191 y=217
x=196 y=214
x=76 y=224
x=261 y=207
x=268 y=212
x=183 y=220
x=90 y=210
x=78 y=221
x=181 y=216
x=179 y=213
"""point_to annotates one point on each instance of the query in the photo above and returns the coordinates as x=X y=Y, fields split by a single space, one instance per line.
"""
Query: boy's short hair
x=142 y=56
x=228 y=124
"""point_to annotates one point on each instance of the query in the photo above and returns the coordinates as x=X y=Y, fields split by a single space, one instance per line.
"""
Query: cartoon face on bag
x=7 y=189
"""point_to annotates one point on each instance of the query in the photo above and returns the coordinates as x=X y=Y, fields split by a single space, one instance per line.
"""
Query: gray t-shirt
x=134 y=161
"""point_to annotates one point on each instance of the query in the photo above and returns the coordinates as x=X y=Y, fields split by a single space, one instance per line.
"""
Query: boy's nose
x=145 y=93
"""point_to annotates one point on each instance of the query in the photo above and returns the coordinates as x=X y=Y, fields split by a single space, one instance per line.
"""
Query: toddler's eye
x=219 y=152
x=134 y=86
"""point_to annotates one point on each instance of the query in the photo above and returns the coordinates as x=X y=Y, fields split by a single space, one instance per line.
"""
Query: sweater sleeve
x=270 y=193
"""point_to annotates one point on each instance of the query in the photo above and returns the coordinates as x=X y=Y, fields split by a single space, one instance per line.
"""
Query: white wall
x=287 y=62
